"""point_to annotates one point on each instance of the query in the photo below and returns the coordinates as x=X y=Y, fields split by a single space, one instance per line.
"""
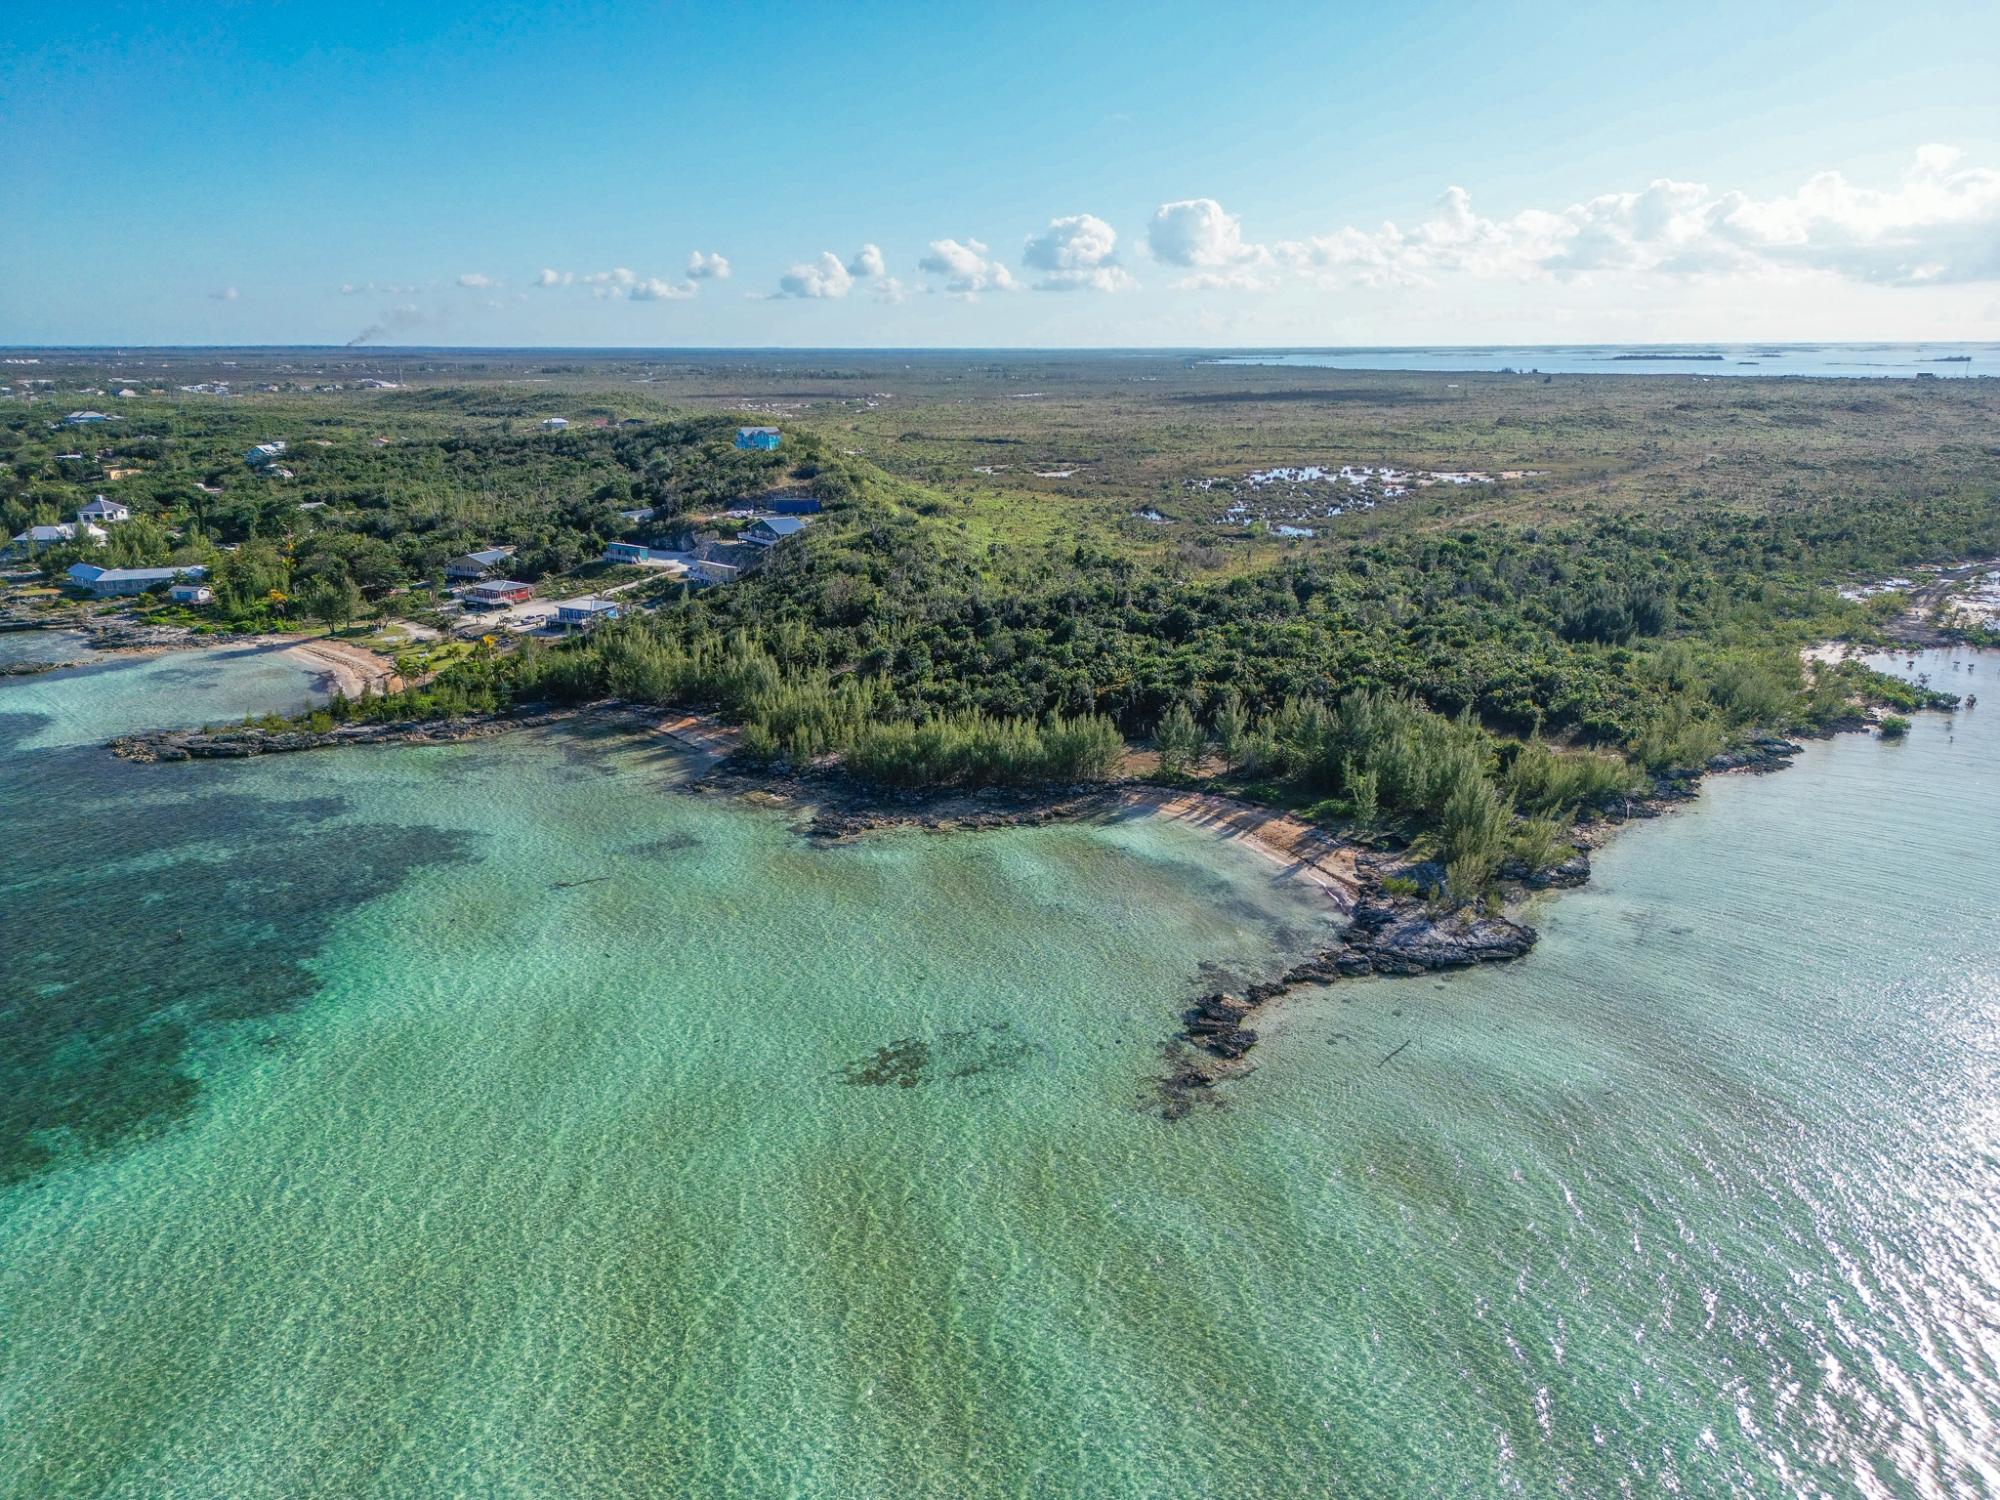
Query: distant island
x=1716 y=357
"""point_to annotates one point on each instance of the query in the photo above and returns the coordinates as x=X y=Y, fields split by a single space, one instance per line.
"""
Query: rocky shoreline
x=240 y=743
x=1397 y=921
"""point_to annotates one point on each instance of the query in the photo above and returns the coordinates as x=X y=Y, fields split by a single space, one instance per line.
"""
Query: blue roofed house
x=765 y=438
x=586 y=613
x=772 y=530
x=112 y=583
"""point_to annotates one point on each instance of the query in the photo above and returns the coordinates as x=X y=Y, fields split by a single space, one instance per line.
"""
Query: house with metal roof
x=479 y=564
x=108 y=511
x=264 y=453
x=496 y=593
x=772 y=530
x=111 y=583
x=61 y=534
x=762 y=438
x=586 y=613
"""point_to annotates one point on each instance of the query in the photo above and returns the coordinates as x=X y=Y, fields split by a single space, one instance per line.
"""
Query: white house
x=263 y=454
x=191 y=593
x=58 y=535
x=554 y=424
x=110 y=512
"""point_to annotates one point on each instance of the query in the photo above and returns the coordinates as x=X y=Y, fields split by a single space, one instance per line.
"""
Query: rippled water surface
x=494 y=1120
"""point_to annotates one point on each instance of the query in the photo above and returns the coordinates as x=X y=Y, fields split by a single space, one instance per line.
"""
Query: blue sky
x=1027 y=174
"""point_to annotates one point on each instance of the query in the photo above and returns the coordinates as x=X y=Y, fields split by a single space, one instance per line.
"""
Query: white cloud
x=1077 y=253
x=890 y=290
x=967 y=268
x=826 y=277
x=1199 y=235
x=1939 y=224
x=867 y=262
x=224 y=294
x=653 y=289
x=478 y=280
x=710 y=267
x=358 y=288
x=549 y=277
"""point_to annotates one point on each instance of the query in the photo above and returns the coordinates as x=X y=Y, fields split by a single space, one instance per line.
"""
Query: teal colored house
x=764 y=438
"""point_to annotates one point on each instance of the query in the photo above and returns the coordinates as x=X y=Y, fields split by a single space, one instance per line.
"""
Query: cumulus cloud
x=1199 y=235
x=653 y=289
x=376 y=288
x=1938 y=224
x=1077 y=253
x=710 y=267
x=548 y=277
x=477 y=280
x=967 y=268
x=223 y=294
x=827 y=276
x=890 y=290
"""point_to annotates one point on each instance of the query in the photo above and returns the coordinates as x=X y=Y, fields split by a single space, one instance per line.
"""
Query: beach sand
x=1306 y=853
x=346 y=667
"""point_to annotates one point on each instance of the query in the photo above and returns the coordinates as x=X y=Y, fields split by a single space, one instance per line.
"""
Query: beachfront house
x=116 y=583
x=264 y=454
x=61 y=534
x=772 y=530
x=586 y=613
x=762 y=438
x=476 y=565
x=498 y=593
x=191 y=593
x=108 y=512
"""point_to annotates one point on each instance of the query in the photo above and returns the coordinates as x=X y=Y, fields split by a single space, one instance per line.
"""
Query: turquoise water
x=87 y=705
x=492 y=1120
x=41 y=646
x=1946 y=360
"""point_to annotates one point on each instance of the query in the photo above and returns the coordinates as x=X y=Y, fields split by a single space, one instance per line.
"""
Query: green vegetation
x=1472 y=663
x=1894 y=727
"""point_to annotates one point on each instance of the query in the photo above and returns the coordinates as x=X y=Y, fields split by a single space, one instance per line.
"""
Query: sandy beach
x=702 y=732
x=347 y=668
x=1304 y=852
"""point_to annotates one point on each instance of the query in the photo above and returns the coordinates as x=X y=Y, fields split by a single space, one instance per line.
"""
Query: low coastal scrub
x=789 y=707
